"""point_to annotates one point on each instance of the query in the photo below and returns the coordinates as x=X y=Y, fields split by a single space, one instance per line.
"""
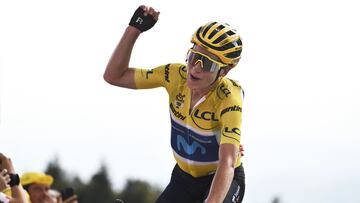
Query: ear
x=224 y=71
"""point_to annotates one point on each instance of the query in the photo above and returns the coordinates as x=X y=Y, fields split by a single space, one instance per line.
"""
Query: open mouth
x=193 y=77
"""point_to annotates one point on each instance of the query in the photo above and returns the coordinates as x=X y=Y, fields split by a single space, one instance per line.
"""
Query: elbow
x=229 y=163
x=120 y=78
x=107 y=77
x=228 y=155
x=111 y=78
x=114 y=75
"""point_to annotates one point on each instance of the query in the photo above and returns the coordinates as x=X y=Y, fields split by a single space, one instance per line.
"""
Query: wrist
x=210 y=199
x=133 y=30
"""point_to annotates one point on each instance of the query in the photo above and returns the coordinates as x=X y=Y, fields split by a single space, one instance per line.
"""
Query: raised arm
x=17 y=192
x=117 y=71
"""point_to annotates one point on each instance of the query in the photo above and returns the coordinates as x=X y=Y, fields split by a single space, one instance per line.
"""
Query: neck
x=196 y=94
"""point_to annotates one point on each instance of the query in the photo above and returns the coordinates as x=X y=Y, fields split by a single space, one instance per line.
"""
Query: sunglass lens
x=191 y=57
x=209 y=65
x=206 y=63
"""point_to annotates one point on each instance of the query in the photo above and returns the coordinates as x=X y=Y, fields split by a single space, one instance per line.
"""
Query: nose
x=44 y=192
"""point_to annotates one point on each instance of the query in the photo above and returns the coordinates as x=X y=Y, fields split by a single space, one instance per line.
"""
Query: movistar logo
x=189 y=149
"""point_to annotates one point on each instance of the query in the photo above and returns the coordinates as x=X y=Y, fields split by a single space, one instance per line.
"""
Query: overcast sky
x=299 y=69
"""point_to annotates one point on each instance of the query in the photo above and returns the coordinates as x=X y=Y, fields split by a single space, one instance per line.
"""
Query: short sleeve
x=231 y=118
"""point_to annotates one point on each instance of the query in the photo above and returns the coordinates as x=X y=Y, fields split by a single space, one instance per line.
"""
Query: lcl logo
x=206 y=115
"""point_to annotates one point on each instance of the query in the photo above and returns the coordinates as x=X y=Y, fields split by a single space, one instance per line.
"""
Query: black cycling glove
x=142 y=22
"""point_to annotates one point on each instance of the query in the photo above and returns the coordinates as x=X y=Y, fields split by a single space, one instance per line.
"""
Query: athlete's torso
x=197 y=132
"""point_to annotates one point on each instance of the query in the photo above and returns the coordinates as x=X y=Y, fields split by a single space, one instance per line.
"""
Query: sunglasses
x=207 y=63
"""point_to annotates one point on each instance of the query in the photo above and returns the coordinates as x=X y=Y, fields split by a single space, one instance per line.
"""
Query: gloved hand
x=144 y=18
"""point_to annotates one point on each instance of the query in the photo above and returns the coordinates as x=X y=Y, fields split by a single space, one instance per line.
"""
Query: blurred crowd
x=30 y=187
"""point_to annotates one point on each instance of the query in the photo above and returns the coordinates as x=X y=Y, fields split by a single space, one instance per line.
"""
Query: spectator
x=55 y=196
x=38 y=186
x=9 y=179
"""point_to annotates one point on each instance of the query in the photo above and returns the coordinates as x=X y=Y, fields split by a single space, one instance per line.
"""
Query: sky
x=299 y=70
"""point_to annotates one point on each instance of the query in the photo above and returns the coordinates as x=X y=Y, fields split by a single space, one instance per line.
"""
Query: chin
x=191 y=84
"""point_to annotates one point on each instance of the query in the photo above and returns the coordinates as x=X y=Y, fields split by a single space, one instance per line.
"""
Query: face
x=198 y=78
x=39 y=193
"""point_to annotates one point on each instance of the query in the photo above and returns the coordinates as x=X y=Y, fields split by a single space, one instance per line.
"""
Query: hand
x=144 y=18
x=241 y=150
x=72 y=199
x=4 y=180
x=6 y=163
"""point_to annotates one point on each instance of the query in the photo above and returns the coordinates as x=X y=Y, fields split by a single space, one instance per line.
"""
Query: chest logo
x=179 y=100
x=205 y=120
x=189 y=149
x=205 y=115
x=176 y=113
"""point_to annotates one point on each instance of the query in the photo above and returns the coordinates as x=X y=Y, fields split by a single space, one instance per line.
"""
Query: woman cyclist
x=205 y=109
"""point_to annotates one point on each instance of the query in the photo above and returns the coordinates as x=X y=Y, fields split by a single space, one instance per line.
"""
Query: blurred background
x=299 y=70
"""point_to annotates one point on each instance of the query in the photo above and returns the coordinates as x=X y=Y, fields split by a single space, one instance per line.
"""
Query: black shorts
x=183 y=188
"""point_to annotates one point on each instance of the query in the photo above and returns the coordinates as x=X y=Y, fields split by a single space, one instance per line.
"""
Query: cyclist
x=205 y=109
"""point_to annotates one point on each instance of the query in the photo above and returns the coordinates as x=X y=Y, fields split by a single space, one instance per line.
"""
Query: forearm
x=221 y=183
x=119 y=61
x=18 y=195
x=17 y=192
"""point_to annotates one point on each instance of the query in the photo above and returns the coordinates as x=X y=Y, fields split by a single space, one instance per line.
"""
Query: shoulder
x=176 y=69
x=173 y=72
x=230 y=100
x=229 y=90
x=167 y=71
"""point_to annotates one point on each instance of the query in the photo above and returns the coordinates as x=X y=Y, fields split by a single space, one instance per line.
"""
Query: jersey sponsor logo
x=183 y=72
x=231 y=108
x=167 y=72
x=176 y=113
x=233 y=133
x=189 y=149
x=193 y=146
x=234 y=83
x=205 y=115
x=148 y=73
x=222 y=91
x=233 y=130
x=179 y=100
x=209 y=118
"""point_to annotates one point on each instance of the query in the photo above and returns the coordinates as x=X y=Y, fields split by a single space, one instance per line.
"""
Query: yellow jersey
x=197 y=133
